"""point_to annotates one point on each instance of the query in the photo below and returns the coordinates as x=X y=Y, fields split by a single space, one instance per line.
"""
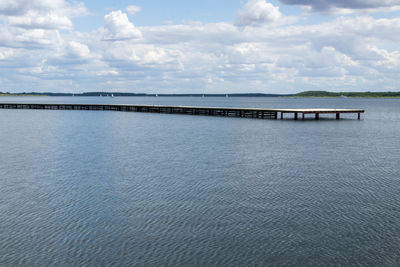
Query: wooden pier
x=258 y=113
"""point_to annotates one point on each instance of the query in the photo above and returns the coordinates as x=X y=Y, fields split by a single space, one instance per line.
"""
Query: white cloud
x=20 y=7
x=263 y=54
x=6 y=53
x=138 y=55
x=132 y=9
x=40 y=14
x=118 y=27
x=35 y=20
x=257 y=13
x=36 y=38
x=107 y=72
x=77 y=49
x=346 y=6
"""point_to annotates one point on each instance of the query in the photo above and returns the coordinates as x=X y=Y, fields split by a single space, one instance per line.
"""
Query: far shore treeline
x=301 y=94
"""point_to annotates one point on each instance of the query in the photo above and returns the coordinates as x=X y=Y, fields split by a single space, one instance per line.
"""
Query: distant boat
x=112 y=95
x=156 y=94
x=343 y=96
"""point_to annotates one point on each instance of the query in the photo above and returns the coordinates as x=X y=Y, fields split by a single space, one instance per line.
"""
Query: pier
x=258 y=113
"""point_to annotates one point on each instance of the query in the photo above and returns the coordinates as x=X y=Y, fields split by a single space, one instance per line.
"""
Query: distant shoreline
x=322 y=94
x=348 y=94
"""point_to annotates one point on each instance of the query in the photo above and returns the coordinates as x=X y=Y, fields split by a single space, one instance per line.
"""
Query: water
x=99 y=188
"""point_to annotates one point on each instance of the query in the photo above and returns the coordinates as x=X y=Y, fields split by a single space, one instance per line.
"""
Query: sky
x=208 y=46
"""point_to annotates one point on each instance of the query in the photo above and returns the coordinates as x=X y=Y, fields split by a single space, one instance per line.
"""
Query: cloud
x=132 y=9
x=276 y=59
x=118 y=27
x=34 y=20
x=257 y=13
x=137 y=55
x=77 y=49
x=257 y=53
x=6 y=53
x=40 y=14
x=21 y=7
x=29 y=39
x=345 y=6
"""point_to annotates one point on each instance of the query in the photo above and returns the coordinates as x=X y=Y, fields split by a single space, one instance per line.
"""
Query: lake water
x=103 y=188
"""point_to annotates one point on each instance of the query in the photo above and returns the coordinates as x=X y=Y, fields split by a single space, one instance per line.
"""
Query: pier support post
x=317 y=116
x=295 y=116
x=281 y=115
x=302 y=116
x=338 y=116
x=359 y=115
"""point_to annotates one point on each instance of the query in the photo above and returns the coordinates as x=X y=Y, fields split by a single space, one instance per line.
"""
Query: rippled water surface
x=102 y=188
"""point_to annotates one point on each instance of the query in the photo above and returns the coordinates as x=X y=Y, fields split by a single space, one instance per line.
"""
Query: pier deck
x=259 y=113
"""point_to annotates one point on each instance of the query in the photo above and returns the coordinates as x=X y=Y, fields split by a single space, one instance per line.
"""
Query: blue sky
x=156 y=12
x=176 y=46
